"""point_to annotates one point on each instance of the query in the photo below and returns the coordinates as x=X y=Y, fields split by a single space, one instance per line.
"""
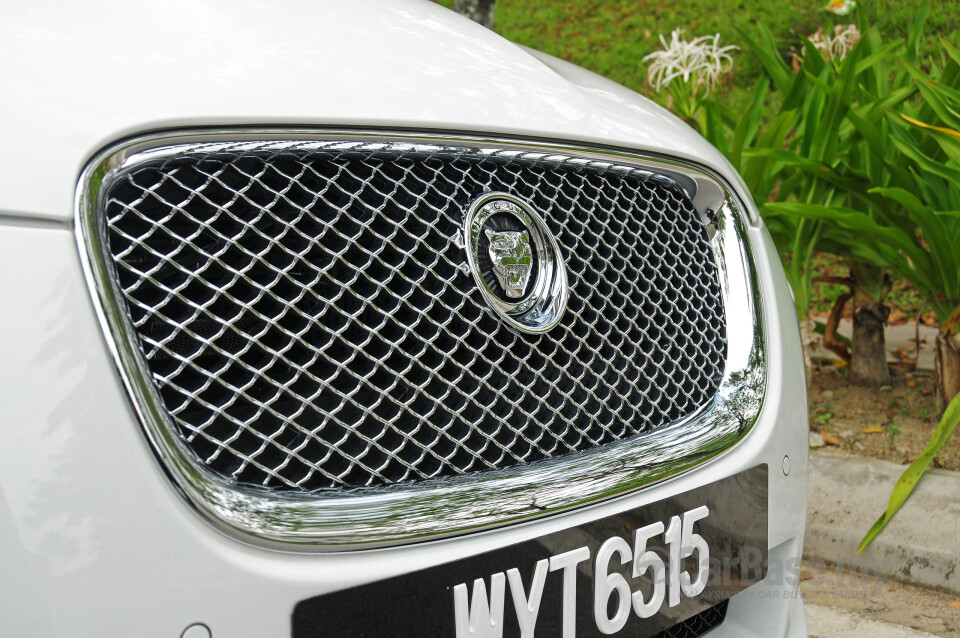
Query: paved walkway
x=830 y=622
x=850 y=602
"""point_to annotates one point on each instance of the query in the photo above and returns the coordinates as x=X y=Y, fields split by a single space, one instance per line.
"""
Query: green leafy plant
x=873 y=80
x=893 y=431
x=852 y=175
x=812 y=127
x=794 y=155
x=897 y=203
x=913 y=226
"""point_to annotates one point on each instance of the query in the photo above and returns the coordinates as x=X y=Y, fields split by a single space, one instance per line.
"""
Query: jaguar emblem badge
x=516 y=262
x=512 y=258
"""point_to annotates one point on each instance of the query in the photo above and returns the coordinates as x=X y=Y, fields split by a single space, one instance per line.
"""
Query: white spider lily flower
x=844 y=39
x=702 y=60
x=838 y=46
x=821 y=43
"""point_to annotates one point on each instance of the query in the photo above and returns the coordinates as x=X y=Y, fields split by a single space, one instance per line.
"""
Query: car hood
x=79 y=76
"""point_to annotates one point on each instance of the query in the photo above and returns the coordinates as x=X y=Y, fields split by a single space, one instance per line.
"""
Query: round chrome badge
x=516 y=262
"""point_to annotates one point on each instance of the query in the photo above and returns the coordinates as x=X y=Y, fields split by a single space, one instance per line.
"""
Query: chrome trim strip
x=379 y=517
x=30 y=221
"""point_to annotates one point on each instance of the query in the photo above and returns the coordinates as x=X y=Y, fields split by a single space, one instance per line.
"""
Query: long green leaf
x=948 y=139
x=915 y=37
x=766 y=50
x=951 y=50
x=758 y=174
x=879 y=158
x=812 y=116
x=747 y=127
x=856 y=221
x=933 y=97
x=813 y=168
x=928 y=165
x=947 y=93
x=839 y=104
x=873 y=59
x=898 y=96
x=911 y=477
x=934 y=233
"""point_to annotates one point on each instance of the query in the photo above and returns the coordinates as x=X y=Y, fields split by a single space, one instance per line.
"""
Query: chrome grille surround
x=369 y=517
x=304 y=312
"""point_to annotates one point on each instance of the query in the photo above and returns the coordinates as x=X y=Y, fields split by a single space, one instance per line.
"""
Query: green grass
x=610 y=37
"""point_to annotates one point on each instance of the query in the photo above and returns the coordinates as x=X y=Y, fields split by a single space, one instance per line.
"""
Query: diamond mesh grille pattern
x=307 y=316
x=699 y=625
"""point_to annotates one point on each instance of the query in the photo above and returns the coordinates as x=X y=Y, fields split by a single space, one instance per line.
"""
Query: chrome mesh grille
x=309 y=322
x=699 y=625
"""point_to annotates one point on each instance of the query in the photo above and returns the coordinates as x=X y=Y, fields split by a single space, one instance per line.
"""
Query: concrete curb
x=921 y=546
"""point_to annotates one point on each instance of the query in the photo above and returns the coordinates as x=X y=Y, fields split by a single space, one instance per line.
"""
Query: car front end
x=330 y=320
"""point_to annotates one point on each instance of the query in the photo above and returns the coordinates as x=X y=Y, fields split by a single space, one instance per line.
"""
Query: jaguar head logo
x=512 y=258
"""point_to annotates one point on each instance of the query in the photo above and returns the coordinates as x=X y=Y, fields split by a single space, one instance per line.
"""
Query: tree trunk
x=868 y=360
x=948 y=367
x=830 y=341
x=477 y=10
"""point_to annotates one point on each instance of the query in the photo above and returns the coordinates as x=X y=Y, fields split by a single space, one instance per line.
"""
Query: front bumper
x=96 y=541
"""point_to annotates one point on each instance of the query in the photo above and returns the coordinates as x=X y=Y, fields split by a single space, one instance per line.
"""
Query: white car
x=359 y=320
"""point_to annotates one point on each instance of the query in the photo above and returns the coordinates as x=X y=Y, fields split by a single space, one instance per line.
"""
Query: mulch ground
x=892 y=422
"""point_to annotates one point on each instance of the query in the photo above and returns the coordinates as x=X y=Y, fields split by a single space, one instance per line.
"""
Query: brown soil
x=906 y=411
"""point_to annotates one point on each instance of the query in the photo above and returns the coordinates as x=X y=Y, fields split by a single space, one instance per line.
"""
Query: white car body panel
x=96 y=72
x=94 y=539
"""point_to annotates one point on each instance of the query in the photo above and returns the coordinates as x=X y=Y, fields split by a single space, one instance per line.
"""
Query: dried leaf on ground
x=904 y=361
x=900 y=353
x=903 y=365
x=829 y=438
